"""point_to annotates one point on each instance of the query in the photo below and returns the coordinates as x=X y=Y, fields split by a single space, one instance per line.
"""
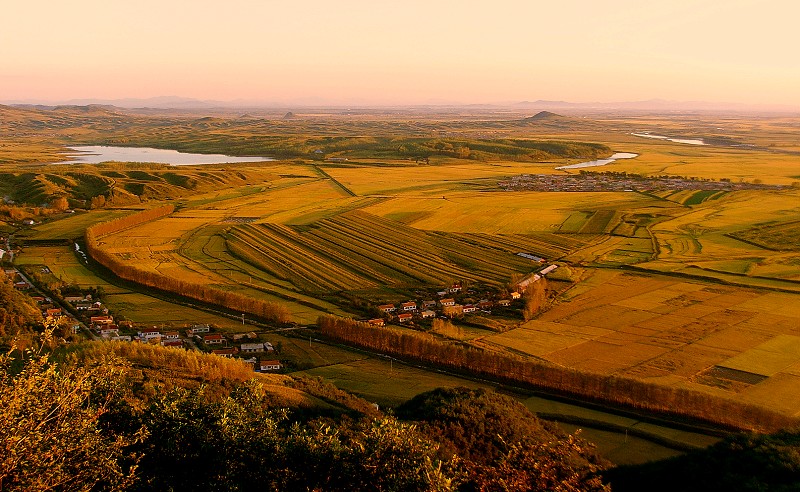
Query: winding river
x=600 y=162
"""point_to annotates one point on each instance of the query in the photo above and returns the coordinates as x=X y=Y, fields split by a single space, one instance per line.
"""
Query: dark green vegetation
x=127 y=417
x=743 y=462
x=777 y=237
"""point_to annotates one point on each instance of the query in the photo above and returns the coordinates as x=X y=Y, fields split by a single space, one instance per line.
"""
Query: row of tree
x=264 y=309
x=615 y=390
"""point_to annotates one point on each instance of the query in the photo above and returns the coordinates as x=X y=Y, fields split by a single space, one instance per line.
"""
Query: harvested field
x=672 y=332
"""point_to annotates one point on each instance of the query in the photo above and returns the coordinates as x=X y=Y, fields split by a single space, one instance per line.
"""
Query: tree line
x=614 y=390
x=264 y=309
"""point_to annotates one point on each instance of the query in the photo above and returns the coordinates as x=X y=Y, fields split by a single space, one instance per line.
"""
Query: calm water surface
x=600 y=162
x=95 y=154
x=690 y=141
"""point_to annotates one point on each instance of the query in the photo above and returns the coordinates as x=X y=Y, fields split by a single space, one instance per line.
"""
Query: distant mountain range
x=176 y=102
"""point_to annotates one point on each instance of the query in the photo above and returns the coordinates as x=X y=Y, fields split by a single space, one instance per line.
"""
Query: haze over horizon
x=382 y=53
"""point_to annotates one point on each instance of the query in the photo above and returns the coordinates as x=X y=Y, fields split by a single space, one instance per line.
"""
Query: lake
x=600 y=162
x=690 y=141
x=95 y=154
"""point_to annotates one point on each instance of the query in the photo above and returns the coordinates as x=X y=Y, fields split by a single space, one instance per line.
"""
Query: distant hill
x=542 y=115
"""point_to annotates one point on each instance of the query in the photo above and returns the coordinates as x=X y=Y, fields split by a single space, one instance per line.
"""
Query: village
x=455 y=301
x=83 y=311
x=593 y=181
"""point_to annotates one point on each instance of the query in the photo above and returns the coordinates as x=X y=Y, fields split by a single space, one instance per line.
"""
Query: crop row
x=358 y=250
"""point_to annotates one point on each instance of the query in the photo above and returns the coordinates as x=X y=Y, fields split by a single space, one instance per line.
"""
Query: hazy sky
x=412 y=51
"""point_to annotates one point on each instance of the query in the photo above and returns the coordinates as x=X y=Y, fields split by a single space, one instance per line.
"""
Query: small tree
x=52 y=437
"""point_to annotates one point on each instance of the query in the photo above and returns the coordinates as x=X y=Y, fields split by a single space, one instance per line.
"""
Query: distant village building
x=149 y=334
x=537 y=259
x=226 y=352
x=504 y=302
x=109 y=332
x=448 y=302
x=102 y=320
x=200 y=329
x=469 y=308
x=251 y=348
x=387 y=308
x=376 y=322
x=213 y=339
x=524 y=283
x=178 y=343
x=548 y=269
x=409 y=306
x=428 y=314
x=269 y=365
x=404 y=317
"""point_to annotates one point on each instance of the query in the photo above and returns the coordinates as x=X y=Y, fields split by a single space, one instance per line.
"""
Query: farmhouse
x=249 y=348
x=485 y=305
x=172 y=343
x=149 y=333
x=376 y=322
x=404 y=317
x=537 y=259
x=53 y=312
x=504 y=302
x=429 y=304
x=200 y=329
x=409 y=306
x=270 y=365
x=226 y=352
x=213 y=339
x=387 y=308
x=448 y=302
x=516 y=295
x=172 y=335
x=469 y=308
x=428 y=313
x=121 y=338
x=524 y=283
x=548 y=269
x=101 y=320
x=109 y=332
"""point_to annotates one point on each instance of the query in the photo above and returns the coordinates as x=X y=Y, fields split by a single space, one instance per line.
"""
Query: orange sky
x=392 y=52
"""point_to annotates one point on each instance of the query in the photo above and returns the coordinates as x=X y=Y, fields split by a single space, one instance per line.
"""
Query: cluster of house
x=229 y=348
x=587 y=181
x=446 y=305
